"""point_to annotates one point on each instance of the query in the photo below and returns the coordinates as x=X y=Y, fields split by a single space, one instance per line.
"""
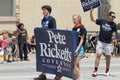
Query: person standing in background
x=32 y=44
x=117 y=45
x=5 y=47
x=22 y=42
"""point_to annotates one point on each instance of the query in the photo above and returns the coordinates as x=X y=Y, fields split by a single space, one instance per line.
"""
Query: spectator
x=118 y=42
x=14 y=48
x=5 y=47
x=22 y=42
x=32 y=44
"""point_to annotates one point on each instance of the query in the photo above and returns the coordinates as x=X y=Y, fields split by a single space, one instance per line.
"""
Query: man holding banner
x=107 y=27
x=47 y=22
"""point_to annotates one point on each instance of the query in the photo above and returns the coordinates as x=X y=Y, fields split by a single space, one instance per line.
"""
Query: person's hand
x=75 y=53
x=91 y=9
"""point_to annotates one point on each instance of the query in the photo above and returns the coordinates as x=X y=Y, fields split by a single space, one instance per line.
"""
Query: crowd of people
x=15 y=46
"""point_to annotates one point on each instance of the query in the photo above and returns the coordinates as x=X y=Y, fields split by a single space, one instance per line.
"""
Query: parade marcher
x=48 y=21
x=79 y=52
x=107 y=27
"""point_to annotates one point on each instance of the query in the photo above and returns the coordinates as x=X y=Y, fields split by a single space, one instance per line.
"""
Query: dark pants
x=118 y=49
x=23 y=50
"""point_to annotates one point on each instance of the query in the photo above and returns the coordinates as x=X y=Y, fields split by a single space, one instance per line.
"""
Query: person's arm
x=80 y=43
x=92 y=44
x=16 y=47
x=52 y=23
x=91 y=16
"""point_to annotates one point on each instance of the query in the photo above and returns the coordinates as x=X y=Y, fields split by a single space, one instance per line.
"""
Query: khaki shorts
x=104 y=48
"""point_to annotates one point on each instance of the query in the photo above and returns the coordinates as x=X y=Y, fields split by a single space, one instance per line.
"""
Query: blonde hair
x=79 y=17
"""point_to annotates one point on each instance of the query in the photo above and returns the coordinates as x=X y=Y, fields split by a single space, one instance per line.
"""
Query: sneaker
x=26 y=60
x=41 y=77
x=57 y=77
x=9 y=61
x=4 y=62
x=107 y=73
x=94 y=73
x=13 y=60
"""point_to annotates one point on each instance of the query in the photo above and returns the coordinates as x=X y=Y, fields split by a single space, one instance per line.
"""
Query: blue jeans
x=23 y=53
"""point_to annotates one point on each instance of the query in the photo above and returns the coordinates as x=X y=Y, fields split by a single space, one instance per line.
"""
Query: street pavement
x=25 y=70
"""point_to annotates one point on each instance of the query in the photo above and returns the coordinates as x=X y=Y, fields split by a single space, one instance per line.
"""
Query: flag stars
x=59 y=68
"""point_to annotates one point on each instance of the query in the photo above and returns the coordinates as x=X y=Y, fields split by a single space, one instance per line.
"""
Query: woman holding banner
x=79 y=52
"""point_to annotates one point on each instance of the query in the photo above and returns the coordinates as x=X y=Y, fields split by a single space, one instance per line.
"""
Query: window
x=104 y=9
x=7 y=8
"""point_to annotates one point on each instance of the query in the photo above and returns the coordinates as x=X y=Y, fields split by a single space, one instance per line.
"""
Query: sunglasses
x=113 y=16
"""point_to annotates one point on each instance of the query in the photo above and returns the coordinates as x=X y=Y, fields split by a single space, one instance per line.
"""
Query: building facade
x=29 y=12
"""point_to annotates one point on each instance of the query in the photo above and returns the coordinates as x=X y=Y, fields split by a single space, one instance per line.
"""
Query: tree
x=104 y=9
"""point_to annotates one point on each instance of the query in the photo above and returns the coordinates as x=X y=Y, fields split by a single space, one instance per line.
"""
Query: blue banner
x=86 y=4
x=55 y=51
